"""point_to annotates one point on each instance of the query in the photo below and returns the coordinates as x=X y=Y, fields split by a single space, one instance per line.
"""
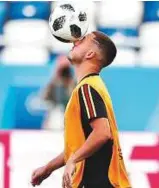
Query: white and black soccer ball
x=68 y=22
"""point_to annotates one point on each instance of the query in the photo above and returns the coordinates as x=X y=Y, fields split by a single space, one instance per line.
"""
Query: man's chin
x=69 y=57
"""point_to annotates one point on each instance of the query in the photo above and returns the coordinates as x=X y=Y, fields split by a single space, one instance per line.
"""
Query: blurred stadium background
x=31 y=128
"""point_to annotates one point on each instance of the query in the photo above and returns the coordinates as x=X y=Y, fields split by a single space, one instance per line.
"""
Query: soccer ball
x=68 y=22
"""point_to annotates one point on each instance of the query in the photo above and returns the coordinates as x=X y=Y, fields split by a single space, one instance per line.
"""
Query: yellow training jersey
x=90 y=99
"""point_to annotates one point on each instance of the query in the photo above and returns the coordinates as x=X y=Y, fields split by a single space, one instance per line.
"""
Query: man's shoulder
x=94 y=81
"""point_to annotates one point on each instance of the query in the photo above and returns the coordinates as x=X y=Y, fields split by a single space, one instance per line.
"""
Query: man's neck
x=85 y=69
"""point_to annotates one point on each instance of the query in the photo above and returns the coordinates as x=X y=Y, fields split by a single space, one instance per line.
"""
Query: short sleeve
x=91 y=104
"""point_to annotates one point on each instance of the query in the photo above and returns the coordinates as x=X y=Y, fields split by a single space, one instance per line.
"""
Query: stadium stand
x=26 y=34
x=148 y=39
x=3 y=17
x=29 y=10
x=122 y=24
x=136 y=27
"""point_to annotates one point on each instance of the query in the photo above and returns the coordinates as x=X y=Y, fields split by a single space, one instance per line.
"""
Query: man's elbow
x=104 y=136
x=102 y=128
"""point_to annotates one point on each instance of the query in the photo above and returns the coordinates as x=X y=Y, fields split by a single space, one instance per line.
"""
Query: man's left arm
x=97 y=138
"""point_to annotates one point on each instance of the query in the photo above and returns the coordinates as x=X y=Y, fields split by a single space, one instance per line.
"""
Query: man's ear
x=90 y=54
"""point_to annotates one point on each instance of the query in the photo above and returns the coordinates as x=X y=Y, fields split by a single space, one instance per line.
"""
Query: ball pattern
x=82 y=17
x=67 y=7
x=75 y=31
x=58 y=23
x=62 y=39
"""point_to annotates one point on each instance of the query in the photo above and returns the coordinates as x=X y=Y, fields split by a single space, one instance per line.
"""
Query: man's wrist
x=72 y=159
x=49 y=169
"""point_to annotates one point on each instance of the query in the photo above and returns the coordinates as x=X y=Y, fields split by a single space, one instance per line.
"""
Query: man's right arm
x=40 y=174
x=56 y=163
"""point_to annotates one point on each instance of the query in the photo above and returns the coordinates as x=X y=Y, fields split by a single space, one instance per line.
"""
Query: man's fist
x=39 y=175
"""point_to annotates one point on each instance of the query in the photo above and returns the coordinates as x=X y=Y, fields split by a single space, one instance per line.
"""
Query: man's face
x=81 y=48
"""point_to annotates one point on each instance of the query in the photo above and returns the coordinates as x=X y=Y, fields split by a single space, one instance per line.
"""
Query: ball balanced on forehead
x=68 y=22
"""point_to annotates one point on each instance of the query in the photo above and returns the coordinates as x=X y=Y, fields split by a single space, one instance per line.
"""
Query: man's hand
x=39 y=175
x=68 y=173
x=44 y=172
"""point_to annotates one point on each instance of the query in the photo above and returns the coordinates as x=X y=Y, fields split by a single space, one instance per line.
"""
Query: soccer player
x=92 y=155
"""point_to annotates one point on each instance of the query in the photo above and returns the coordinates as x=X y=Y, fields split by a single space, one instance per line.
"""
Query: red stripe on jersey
x=88 y=101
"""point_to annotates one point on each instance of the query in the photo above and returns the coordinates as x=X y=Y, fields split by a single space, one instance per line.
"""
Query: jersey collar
x=88 y=75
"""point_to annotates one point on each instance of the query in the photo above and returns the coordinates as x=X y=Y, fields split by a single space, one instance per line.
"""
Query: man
x=92 y=152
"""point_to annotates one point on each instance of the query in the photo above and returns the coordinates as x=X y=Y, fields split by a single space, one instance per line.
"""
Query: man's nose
x=77 y=42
